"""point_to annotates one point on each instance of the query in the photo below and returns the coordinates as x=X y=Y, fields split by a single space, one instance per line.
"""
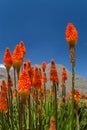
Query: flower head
x=4 y=88
x=71 y=34
x=22 y=48
x=3 y=102
x=43 y=65
x=30 y=69
x=53 y=72
x=37 y=78
x=7 y=59
x=77 y=95
x=3 y=96
x=64 y=74
x=24 y=84
x=17 y=57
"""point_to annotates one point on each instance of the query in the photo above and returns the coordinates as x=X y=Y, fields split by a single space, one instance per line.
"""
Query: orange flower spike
x=44 y=79
x=7 y=59
x=17 y=57
x=43 y=65
x=77 y=96
x=30 y=69
x=32 y=74
x=3 y=102
x=64 y=74
x=22 y=48
x=52 y=69
x=4 y=88
x=3 y=96
x=37 y=78
x=53 y=72
x=24 y=84
x=71 y=34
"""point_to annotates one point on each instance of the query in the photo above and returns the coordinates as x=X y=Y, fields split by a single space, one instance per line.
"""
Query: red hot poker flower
x=3 y=97
x=53 y=72
x=4 y=88
x=43 y=65
x=17 y=57
x=77 y=95
x=30 y=69
x=22 y=48
x=64 y=74
x=24 y=84
x=71 y=34
x=3 y=102
x=7 y=59
x=37 y=78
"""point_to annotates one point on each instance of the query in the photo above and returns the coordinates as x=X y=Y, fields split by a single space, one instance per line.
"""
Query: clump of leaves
x=83 y=115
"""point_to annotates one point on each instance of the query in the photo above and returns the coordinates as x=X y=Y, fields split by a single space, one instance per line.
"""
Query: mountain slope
x=80 y=83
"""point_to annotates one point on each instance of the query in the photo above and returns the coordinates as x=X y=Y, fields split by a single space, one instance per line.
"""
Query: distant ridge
x=80 y=82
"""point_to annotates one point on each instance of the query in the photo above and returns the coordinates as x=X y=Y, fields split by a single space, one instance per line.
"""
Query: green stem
x=55 y=104
x=20 y=114
x=73 y=78
x=11 y=110
x=45 y=92
x=2 y=121
x=77 y=116
x=37 y=127
x=29 y=107
x=18 y=71
x=14 y=79
x=63 y=92
x=8 y=89
x=8 y=99
x=25 y=117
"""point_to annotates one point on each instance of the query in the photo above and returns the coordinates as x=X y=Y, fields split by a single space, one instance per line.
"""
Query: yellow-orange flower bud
x=53 y=72
x=77 y=95
x=7 y=59
x=43 y=65
x=17 y=57
x=64 y=74
x=37 y=78
x=22 y=48
x=24 y=84
x=3 y=96
x=71 y=34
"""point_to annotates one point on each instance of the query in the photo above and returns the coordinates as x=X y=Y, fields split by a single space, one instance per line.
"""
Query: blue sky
x=41 y=25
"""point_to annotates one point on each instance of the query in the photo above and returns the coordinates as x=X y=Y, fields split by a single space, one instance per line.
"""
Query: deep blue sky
x=41 y=25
